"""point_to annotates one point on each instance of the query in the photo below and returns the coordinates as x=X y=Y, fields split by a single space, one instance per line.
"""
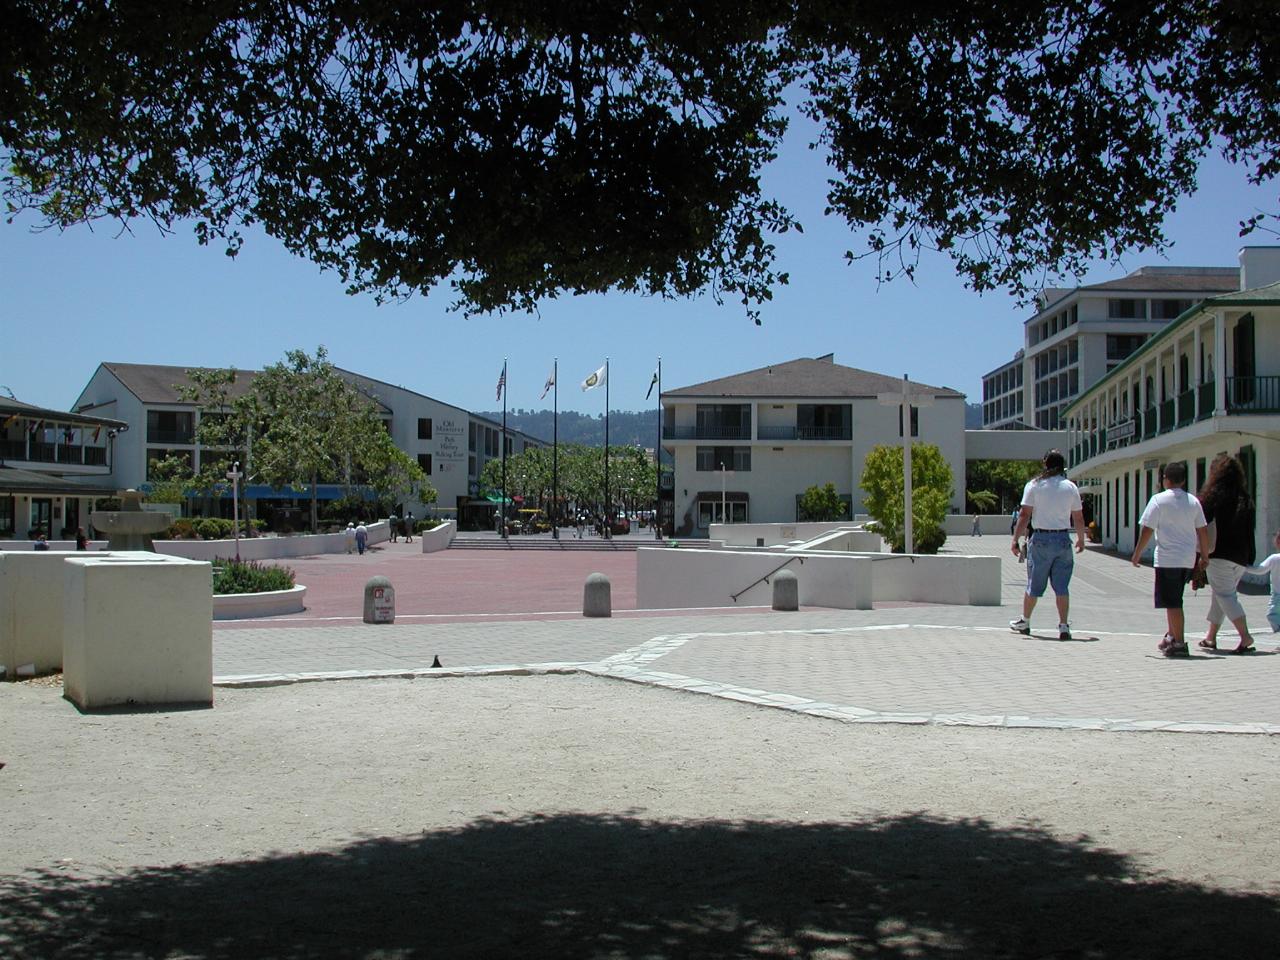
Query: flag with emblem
x=594 y=380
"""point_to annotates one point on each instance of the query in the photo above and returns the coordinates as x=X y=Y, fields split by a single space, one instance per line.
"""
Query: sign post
x=904 y=402
x=234 y=475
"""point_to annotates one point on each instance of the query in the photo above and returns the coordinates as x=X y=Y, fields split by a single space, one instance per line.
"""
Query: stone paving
x=918 y=663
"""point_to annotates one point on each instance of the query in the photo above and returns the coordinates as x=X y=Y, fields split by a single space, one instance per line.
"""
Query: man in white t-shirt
x=1176 y=520
x=1051 y=505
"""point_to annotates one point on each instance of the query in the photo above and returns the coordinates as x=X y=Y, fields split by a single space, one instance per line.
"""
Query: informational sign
x=384 y=604
x=1120 y=431
x=451 y=445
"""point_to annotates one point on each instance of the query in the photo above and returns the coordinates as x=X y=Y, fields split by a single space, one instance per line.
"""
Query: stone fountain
x=130 y=527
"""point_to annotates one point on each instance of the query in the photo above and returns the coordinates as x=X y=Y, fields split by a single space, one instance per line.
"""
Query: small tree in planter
x=931 y=488
x=819 y=504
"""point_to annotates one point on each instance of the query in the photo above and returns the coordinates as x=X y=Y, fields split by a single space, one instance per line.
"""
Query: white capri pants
x=1224 y=578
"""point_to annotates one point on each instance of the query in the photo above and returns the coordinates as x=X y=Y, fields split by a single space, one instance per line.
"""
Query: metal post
x=234 y=475
x=724 y=516
x=908 y=541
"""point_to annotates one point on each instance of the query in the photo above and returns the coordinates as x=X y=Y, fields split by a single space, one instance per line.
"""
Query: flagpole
x=504 y=448
x=657 y=463
x=608 y=507
x=555 y=448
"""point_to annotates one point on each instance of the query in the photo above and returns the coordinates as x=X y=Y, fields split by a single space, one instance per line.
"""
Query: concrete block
x=786 y=591
x=597 y=596
x=137 y=629
x=31 y=610
x=379 y=601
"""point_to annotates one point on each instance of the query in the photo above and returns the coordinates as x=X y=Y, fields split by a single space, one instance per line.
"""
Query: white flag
x=594 y=380
x=551 y=382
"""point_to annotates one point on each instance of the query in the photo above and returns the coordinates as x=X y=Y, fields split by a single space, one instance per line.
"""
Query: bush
x=249 y=576
x=429 y=523
x=184 y=528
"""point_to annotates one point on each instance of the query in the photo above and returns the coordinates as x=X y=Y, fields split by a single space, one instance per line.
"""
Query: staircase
x=620 y=545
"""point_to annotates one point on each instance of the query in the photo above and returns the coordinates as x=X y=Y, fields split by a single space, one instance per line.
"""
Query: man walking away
x=1175 y=519
x=394 y=523
x=1051 y=503
x=408 y=526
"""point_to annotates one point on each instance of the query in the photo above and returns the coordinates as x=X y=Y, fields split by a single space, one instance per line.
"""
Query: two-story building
x=53 y=464
x=1076 y=336
x=449 y=443
x=1207 y=383
x=750 y=444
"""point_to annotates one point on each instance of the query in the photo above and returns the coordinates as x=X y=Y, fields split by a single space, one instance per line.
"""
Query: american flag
x=502 y=382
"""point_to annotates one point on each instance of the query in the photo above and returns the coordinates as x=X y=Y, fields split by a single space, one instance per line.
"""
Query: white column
x=1219 y=362
x=1197 y=373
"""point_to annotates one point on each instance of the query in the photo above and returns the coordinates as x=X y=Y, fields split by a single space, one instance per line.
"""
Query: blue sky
x=74 y=299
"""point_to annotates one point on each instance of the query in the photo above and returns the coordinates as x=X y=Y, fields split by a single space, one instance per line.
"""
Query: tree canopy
x=521 y=151
x=931 y=489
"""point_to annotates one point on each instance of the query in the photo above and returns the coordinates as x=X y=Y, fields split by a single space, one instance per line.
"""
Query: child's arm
x=1266 y=566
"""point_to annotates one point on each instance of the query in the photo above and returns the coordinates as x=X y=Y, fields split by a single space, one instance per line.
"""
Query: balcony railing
x=40 y=452
x=706 y=432
x=1186 y=407
x=170 y=436
x=1148 y=423
x=1206 y=400
x=1166 y=415
x=1253 y=394
x=804 y=433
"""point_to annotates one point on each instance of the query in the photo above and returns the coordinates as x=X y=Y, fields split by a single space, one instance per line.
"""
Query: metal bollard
x=597 y=600
x=786 y=591
x=379 y=601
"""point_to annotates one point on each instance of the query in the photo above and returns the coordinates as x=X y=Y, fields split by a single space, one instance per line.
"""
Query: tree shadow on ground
x=608 y=886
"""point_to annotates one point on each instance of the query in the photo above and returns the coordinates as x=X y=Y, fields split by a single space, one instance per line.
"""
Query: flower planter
x=246 y=606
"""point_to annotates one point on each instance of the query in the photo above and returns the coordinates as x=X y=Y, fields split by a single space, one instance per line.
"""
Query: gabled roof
x=159 y=383
x=30 y=411
x=805 y=377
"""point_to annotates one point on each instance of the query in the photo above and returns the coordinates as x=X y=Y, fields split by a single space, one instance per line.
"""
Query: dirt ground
x=572 y=816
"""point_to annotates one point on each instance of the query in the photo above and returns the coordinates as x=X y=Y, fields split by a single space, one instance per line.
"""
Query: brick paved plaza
x=519 y=611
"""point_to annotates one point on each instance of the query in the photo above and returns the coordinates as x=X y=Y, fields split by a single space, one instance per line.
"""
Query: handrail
x=765 y=578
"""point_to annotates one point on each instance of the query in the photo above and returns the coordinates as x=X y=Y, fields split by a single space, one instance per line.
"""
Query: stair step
x=515 y=543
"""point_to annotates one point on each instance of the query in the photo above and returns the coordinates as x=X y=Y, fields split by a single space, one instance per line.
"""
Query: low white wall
x=30 y=545
x=668 y=579
x=137 y=628
x=268 y=548
x=709 y=578
x=749 y=534
x=850 y=541
x=243 y=606
x=438 y=538
x=991 y=524
x=31 y=610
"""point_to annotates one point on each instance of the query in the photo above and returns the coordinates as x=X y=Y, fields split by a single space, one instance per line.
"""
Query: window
x=169 y=426
x=471 y=465
x=424 y=428
x=709 y=512
x=1073 y=350
x=1168 y=309
x=1126 y=309
x=709 y=459
x=915 y=421
x=1120 y=345
x=424 y=461
x=471 y=438
x=6 y=515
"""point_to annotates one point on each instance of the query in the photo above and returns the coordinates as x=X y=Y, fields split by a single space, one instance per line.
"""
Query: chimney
x=1259 y=266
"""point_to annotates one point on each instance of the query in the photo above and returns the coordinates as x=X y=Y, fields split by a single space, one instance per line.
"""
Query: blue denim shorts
x=1049 y=561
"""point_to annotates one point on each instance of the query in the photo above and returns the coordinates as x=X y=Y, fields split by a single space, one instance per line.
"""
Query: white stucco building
x=449 y=443
x=1207 y=383
x=53 y=465
x=1076 y=336
x=758 y=440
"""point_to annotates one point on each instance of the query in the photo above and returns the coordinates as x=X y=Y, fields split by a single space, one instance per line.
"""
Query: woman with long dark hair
x=1226 y=503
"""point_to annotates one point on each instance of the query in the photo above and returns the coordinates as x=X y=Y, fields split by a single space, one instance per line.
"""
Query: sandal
x=1164 y=643
x=1176 y=650
x=1207 y=644
x=1249 y=649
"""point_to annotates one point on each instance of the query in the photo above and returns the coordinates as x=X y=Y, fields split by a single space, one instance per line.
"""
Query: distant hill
x=626 y=427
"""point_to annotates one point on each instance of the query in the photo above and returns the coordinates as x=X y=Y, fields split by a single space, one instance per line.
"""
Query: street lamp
x=234 y=476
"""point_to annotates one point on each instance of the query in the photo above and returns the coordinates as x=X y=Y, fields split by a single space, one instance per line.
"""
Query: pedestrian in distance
x=394 y=523
x=349 y=536
x=1052 y=503
x=1271 y=567
x=1229 y=512
x=82 y=542
x=408 y=526
x=1176 y=521
x=362 y=538
x=977 y=527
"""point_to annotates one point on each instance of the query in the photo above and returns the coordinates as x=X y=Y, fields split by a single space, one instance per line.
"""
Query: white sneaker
x=1064 y=631
x=1020 y=626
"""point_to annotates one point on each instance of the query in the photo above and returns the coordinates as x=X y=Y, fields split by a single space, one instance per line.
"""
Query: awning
x=729 y=496
x=14 y=481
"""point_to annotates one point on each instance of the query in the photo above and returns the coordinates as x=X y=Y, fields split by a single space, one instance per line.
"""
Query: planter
x=246 y=606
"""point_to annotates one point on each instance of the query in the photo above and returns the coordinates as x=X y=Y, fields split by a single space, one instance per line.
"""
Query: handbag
x=1199 y=575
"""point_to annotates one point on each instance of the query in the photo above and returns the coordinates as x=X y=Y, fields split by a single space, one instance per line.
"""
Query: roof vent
x=827 y=358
